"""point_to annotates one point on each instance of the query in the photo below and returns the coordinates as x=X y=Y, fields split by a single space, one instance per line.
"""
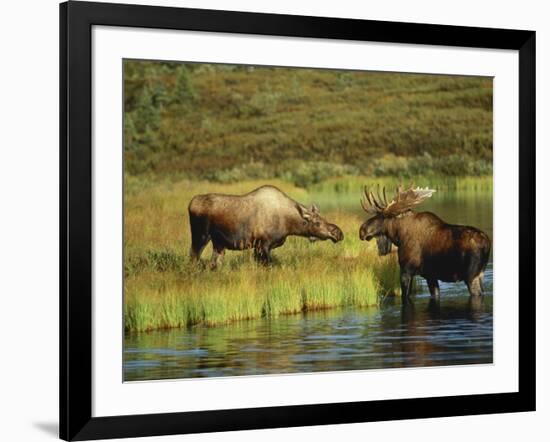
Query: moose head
x=382 y=211
x=317 y=227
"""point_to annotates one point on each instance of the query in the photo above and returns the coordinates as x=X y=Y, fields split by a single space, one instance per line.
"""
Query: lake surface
x=453 y=330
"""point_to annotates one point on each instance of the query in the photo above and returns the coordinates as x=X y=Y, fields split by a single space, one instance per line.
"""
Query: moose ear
x=303 y=212
x=314 y=208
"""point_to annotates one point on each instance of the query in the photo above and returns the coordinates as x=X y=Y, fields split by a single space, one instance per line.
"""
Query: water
x=469 y=207
x=455 y=330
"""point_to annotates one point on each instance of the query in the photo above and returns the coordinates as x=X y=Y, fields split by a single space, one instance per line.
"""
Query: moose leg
x=474 y=275
x=268 y=259
x=199 y=236
x=262 y=254
x=406 y=283
x=481 y=286
x=476 y=304
x=474 y=286
x=218 y=253
x=433 y=285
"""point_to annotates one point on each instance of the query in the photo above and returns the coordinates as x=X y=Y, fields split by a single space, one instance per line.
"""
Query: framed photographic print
x=272 y=220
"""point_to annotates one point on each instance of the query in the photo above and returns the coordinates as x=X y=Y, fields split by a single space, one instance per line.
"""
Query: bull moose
x=426 y=245
x=259 y=220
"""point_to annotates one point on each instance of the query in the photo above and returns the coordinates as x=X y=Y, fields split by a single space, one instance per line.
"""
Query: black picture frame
x=76 y=21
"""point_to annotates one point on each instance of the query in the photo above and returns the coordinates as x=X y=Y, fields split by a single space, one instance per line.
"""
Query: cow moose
x=426 y=245
x=259 y=220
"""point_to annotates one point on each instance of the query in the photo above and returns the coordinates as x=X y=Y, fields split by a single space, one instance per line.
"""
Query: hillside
x=226 y=123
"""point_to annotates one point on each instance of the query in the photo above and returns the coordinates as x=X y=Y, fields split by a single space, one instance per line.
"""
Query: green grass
x=227 y=295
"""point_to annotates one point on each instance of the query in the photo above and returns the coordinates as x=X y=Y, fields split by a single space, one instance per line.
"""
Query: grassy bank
x=243 y=290
x=163 y=289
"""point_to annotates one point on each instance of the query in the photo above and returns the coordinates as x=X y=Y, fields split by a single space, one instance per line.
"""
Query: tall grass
x=210 y=298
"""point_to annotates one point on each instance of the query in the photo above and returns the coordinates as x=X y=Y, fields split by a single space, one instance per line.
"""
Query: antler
x=372 y=205
x=403 y=200
x=406 y=200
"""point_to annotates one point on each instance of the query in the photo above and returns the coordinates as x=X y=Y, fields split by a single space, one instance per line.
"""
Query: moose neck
x=395 y=227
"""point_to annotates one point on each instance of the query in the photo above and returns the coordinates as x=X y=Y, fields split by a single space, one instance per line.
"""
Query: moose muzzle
x=336 y=233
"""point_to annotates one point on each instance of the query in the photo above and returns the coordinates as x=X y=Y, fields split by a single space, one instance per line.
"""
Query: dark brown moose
x=261 y=219
x=426 y=245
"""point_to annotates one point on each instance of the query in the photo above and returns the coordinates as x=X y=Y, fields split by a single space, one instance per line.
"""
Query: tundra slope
x=261 y=220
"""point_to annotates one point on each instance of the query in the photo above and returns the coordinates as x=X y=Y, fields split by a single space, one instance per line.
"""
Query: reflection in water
x=455 y=329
